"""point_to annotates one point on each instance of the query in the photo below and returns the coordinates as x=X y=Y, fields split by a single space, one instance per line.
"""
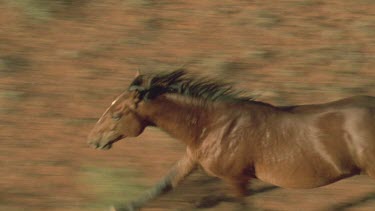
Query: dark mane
x=180 y=82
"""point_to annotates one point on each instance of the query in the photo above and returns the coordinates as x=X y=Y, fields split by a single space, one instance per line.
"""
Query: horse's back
x=355 y=101
x=359 y=101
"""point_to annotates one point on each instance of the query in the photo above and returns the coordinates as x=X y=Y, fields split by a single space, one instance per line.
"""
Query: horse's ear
x=142 y=93
x=138 y=73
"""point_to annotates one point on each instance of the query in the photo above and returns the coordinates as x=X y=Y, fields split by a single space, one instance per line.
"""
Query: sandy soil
x=62 y=62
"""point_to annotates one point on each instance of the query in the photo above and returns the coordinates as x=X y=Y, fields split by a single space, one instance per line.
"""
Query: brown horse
x=236 y=138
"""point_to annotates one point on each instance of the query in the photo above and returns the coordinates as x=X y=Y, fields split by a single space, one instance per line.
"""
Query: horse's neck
x=181 y=118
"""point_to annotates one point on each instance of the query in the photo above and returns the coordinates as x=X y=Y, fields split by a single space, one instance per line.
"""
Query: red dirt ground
x=62 y=62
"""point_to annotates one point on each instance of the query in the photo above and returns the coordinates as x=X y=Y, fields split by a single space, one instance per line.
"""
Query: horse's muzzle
x=97 y=145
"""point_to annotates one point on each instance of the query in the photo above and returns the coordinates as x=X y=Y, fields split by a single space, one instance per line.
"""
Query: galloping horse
x=237 y=138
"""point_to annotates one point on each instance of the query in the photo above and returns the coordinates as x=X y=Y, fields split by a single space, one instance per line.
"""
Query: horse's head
x=124 y=117
x=120 y=120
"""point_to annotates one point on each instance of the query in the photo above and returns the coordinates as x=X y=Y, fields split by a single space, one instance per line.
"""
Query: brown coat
x=237 y=139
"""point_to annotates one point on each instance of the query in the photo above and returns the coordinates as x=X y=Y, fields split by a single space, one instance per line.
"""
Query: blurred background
x=62 y=62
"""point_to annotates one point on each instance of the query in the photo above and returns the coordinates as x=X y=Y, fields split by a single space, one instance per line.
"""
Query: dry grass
x=62 y=62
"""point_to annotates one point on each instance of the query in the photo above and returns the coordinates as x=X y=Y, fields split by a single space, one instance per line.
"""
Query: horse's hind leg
x=369 y=155
x=367 y=158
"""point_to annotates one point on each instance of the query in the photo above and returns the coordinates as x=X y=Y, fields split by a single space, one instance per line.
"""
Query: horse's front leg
x=238 y=189
x=178 y=172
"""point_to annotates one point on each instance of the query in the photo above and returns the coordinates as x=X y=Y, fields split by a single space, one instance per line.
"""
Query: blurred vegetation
x=112 y=185
x=46 y=9
x=13 y=64
x=63 y=61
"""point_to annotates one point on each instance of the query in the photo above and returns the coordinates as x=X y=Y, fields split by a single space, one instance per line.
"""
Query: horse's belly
x=303 y=176
x=218 y=169
x=294 y=181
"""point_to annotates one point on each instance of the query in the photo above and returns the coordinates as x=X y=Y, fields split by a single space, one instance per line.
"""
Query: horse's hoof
x=126 y=207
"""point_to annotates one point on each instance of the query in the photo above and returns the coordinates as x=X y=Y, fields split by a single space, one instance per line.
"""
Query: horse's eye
x=116 y=116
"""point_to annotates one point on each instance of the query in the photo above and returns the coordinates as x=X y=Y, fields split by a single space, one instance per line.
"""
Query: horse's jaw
x=108 y=145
